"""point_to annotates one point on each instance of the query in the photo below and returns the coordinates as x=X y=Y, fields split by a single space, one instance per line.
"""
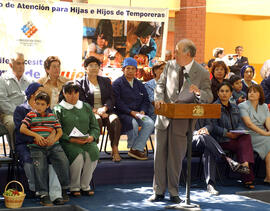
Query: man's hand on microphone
x=158 y=103
x=195 y=89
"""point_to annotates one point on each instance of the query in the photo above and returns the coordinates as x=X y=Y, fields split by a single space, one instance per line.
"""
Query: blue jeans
x=137 y=139
x=57 y=157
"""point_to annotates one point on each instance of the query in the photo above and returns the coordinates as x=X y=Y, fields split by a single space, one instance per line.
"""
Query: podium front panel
x=190 y=111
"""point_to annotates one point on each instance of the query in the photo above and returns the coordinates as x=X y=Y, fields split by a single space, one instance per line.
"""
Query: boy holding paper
x=39 y=124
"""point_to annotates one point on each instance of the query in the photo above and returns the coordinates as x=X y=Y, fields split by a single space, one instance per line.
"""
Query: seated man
x=12 y=86
x=39 y=124
x=23 y=151
x=132 y=104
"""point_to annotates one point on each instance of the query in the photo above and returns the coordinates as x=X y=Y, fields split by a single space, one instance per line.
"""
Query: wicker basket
x=14 y=201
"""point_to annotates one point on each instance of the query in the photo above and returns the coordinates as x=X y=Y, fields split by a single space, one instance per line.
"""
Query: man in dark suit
x=171 y=140
x=240 y=61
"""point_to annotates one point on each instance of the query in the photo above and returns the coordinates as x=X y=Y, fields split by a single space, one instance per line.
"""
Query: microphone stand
x=186 y=205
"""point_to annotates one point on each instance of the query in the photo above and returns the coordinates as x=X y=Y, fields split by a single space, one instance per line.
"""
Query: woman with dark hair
x=256 y=117
x=97 y=92
x=79 y=139
x=237 y=142
x=219 y=71
x=247 y=73
x=150 y=86
x=52 y=82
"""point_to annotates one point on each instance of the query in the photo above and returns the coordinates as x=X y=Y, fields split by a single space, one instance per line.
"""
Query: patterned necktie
x=181 y=78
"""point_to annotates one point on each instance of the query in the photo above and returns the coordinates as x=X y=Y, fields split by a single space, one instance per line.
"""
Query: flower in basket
x=13 y=192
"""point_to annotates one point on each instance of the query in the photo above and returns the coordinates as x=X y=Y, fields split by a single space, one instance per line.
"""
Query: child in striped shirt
x=39 y=124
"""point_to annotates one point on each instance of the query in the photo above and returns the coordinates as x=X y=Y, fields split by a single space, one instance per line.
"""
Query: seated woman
x=247 y=73
x=132 y=103
x=150 y=86
x=97 y=91
x=80 y=147
x=256 y=117
x=219 y=71
x=211 y=151
x=52 y=82
x=222 y=131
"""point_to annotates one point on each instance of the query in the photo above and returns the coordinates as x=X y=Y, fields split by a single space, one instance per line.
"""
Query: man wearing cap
x=23 y=151
x=170 y=134
x=144 y=45
x=12 y=86
x=132 y=104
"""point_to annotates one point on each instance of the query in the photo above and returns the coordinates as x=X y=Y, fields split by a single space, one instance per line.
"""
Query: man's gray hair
x=15 y=55
x=188 y=46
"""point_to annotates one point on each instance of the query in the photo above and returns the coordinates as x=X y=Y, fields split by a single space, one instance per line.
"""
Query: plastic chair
x=105 y=137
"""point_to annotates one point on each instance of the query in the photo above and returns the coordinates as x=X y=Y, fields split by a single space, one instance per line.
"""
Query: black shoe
x=65 y=195
x=59 y=201
x=175 y=199
x=88 y=192
x=30 y=194
x=45 y=201
x=156 y=197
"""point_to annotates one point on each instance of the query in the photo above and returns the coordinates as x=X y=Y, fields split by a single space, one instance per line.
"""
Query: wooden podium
x=190 y=112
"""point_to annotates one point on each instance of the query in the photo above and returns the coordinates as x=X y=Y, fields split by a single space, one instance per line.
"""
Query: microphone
x=186 y=75
x=196 y=97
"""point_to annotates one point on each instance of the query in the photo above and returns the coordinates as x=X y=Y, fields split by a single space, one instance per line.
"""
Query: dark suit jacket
x=238 y=65
x=129 y=99
x=87 y=94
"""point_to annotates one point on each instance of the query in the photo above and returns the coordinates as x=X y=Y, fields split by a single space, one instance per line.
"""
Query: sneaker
x=45 y=201
x=65 y=195
x=137 y=154
x=212 y=190
x=59 y=201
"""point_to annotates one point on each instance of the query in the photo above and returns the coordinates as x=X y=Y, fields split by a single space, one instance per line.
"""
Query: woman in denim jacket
x=222 y=131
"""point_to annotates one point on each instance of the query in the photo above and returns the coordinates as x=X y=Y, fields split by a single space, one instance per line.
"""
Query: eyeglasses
x=93 y=66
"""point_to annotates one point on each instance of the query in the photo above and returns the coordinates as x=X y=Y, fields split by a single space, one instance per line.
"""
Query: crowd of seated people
x=91 y=102
x=124 y=107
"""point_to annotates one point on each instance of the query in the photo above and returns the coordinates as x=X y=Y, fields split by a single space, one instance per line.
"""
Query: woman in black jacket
x=97 y=91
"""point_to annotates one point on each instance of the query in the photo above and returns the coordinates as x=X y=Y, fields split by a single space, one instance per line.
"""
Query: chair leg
x=106 y=142
x=146 y=148
x=101 y=144
x=151 y=142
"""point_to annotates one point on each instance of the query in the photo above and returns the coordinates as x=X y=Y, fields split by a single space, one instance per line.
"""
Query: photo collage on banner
x=75 y=31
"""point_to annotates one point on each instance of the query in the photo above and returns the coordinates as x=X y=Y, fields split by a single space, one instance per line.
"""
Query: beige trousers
x=81 y=172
